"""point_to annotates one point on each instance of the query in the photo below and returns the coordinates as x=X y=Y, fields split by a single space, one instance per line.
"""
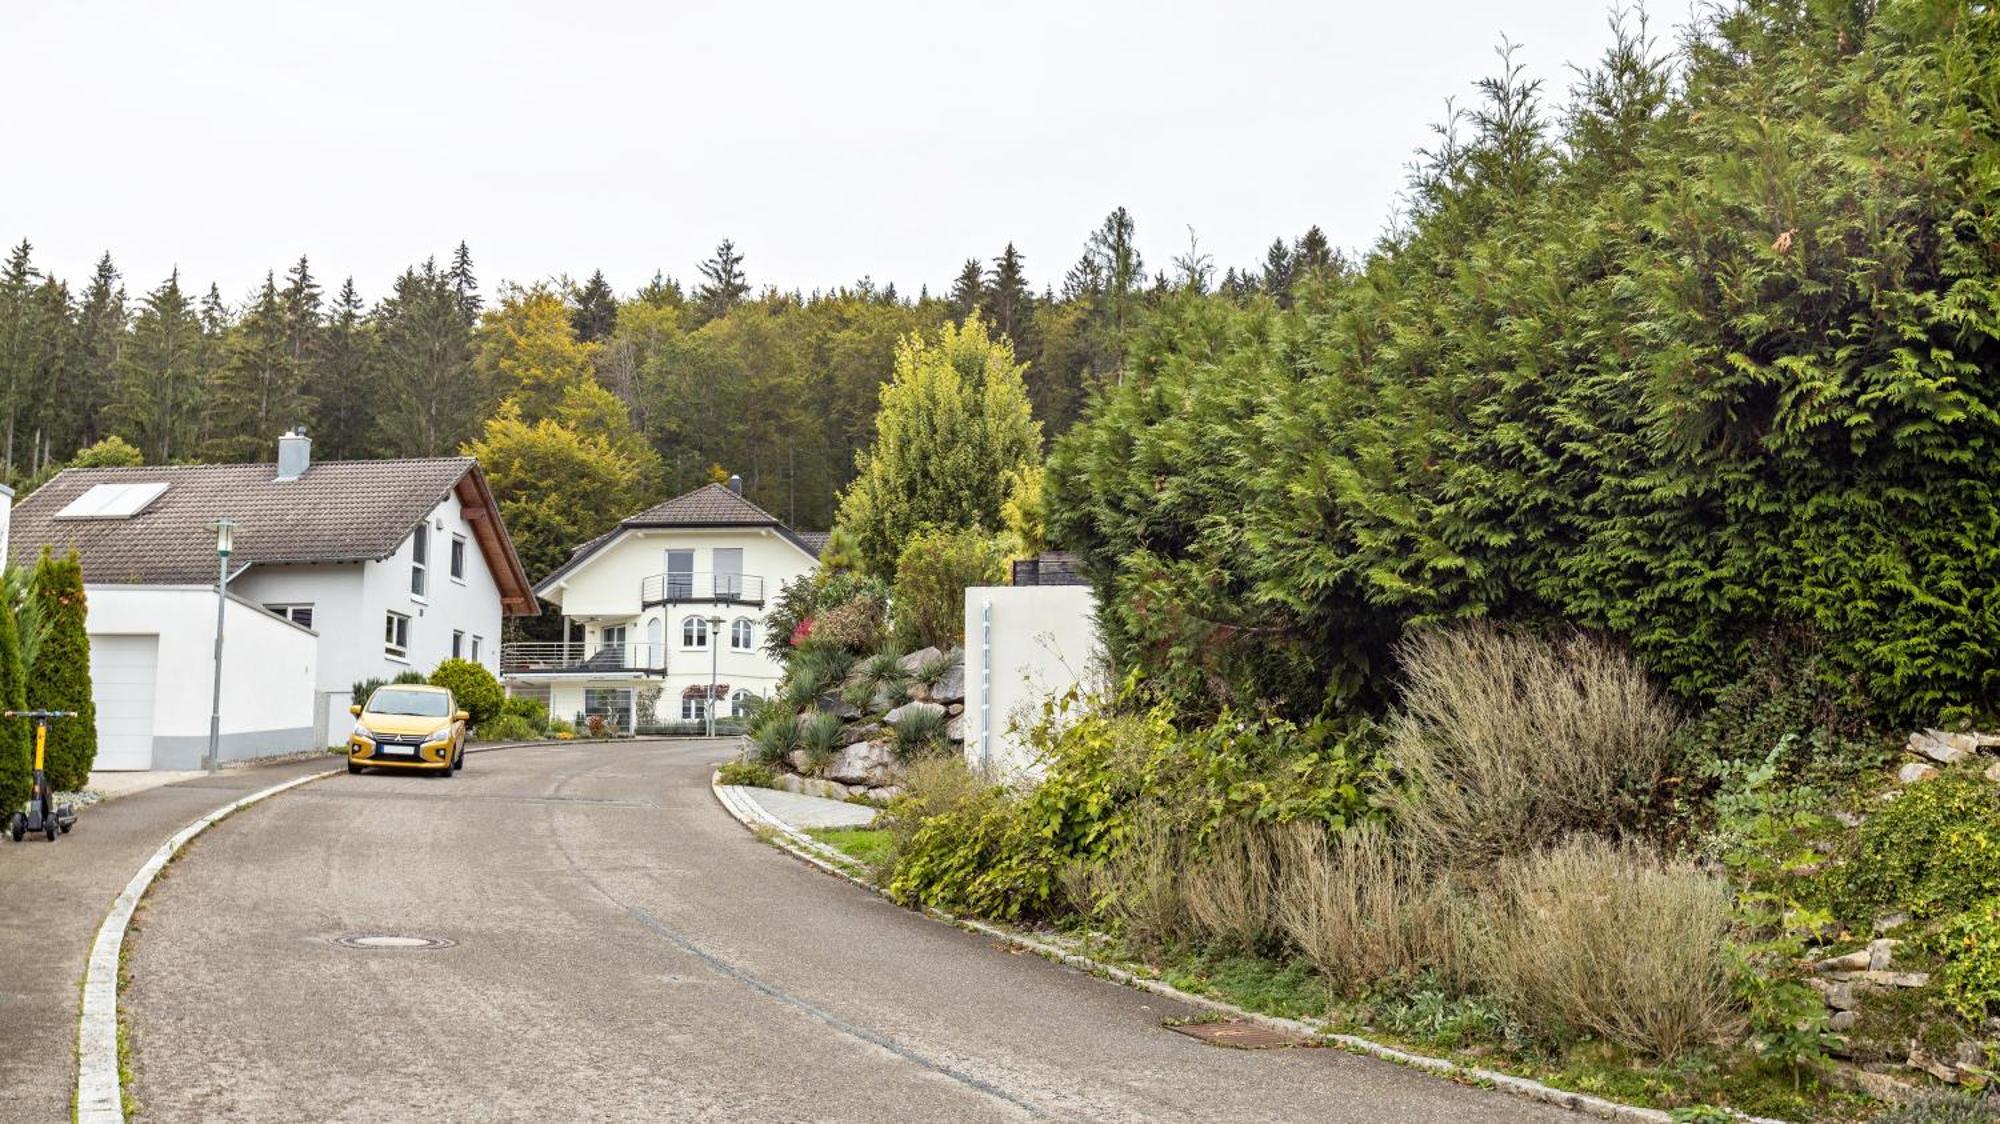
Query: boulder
x=909 y=708
x=955 y=709
x=1857 y=961
x=871 y=763
x=1941 y=747
x=886 y=793
x=955 y=729
x=950 y=688
x=832 y=703
x=859 y=732
x=1841 y=1021
x=813 y=786
x=1882 y=951
x=1915 y=771
x=1993 y=772
x=918 y=658
x=799 y=760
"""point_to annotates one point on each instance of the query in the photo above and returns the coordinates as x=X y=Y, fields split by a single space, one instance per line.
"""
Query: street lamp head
x=225 y=536
x=715 y=622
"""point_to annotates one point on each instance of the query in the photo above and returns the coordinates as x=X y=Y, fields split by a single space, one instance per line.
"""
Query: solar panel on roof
x=113 y=501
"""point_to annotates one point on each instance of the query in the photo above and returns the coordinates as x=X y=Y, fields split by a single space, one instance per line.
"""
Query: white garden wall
x=1023 y=646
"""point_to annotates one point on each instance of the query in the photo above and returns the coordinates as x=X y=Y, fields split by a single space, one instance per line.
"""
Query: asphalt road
x=624 y=950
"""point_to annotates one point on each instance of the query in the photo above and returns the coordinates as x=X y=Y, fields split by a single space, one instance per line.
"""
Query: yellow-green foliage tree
x=931 y=578
x=59 y=679
x=528 y=350
x=953 y=434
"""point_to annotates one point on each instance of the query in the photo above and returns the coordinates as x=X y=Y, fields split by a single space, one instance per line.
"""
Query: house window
x=301 y=615
x=396 y=635
x=475 y=649
x=458 y=558
x=694 y=632
x=691 y=710
x=613 y=704
x=457 y=644
x=420 y=555
x=739 y=703
x=742 y=635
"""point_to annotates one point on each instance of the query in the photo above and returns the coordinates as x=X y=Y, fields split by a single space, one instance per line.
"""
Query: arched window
x=742 y=635
x=694 y=632
x=739 y=703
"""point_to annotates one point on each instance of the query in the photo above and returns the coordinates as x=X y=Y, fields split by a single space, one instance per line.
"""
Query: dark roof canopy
x=711 y=505
x=338 y=511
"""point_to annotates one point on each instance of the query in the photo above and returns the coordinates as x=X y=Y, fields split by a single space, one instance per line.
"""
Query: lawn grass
x=866 y=845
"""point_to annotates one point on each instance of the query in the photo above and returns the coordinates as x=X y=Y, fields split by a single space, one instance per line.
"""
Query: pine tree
x=431 y=400
x=1279 y=269
x=55 y=350
x=60 y=676
x=968 y=289
x=160 y=375
x=464 y=286
x=101 y=323
x=596 y=312
x=16 y=736
x=724 y=284
x=342 y=380
x=23 y=340
x=1010 y=302
x=1313 y=257
x=260 y=389
x=302 y=319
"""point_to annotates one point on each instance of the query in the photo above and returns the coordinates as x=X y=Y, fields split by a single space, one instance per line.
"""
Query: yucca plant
x=881 y=673
x=932 y=670
x=776 y=736
x=920 y=730
x=819 y=736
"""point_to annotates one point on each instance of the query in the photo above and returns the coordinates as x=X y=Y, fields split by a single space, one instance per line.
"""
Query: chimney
x=295 y=454
x=736 y=483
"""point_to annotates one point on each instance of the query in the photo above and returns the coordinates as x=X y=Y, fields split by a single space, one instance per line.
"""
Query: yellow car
x=408 y=726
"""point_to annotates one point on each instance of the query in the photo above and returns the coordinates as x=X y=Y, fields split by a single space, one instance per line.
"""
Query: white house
x=341 y=571
x=665 y=606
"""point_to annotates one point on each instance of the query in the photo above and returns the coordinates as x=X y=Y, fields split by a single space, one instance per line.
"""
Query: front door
x=728 y=572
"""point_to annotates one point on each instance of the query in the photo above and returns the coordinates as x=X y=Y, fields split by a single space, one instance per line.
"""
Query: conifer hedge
x=1714 y=353
x=60 y=676
x=16 y=734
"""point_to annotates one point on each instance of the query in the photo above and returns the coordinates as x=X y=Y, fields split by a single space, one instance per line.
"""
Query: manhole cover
x=1241 y=1035
x=390 y=942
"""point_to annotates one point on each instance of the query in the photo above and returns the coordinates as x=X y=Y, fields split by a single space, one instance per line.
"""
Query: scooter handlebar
x=38 y=714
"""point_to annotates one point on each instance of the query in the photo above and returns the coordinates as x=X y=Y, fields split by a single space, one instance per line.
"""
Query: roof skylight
x=113 y=501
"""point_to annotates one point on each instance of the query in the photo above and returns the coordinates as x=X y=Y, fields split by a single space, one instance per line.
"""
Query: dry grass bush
x=1137 y=889
x=933 y=786
x=1362 y=912
x=1230 y=891
x=1601 y=937
x=1509 y=743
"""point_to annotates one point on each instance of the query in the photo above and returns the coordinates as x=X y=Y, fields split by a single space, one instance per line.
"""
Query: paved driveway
x=625 y=950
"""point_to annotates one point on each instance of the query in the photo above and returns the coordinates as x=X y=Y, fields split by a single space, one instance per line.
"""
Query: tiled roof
x=338 y=511
x=711 y=505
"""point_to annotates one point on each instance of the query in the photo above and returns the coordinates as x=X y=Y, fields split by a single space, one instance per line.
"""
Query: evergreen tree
x=59 y=679
x=55 y=350
x=723 y=283
x=160 y=375
x=342 y=380
x=431 y=400
x=260 y=389
x=596 y=312
x=302 y=316
x=464 y=286
x=1313 y=256
x=101 y=325
x=24 y=341
x=968 y=289
x=16 y=734
x=1010 y=302
x=1279 y=269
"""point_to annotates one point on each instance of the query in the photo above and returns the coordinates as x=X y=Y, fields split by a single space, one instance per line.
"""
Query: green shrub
x=1968 y=948
x=508 y=728
x=1928 y=853
x=752 y=774
x=530 y=710
x=1508 y=743
x=60 y=677
x=932 y=574
x=1600 y=938
x=963 y=846
x=16 y=734
x=558 y=726
x=792 y=615
x=853 y=626
x=478 y=693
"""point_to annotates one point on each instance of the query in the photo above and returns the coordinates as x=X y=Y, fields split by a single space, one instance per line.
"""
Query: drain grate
x=1239 y=1035
x=392 y=942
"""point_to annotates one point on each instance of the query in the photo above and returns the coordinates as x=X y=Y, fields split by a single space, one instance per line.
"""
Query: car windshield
x=422 y=704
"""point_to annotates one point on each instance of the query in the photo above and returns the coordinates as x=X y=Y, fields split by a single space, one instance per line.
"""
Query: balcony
x=556 y=658
x=701 y=588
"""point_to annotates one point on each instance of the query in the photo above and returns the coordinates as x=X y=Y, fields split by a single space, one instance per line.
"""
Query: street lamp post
x=225 y=534
x=714 y=648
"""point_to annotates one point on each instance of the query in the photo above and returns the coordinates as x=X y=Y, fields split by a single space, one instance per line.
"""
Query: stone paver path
x=807 y=811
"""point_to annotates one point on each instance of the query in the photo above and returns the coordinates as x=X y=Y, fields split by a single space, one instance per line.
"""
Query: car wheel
x=459 y=761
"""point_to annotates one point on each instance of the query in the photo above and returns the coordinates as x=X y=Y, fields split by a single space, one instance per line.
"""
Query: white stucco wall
x=268 y=673
x=351 y=602
x=605 y=592
x=1023 y=645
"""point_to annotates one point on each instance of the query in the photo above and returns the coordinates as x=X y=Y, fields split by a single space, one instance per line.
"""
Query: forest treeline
x=778 y=386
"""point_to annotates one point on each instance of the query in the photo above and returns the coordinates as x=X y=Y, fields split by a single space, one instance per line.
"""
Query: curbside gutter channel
x=816 y=854
x=99 y=1092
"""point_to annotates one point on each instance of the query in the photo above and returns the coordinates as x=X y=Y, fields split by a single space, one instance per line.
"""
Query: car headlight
x=363 y=733
x=441 y=734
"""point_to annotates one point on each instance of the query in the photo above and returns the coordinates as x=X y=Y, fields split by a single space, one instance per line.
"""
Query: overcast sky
x=830 y=140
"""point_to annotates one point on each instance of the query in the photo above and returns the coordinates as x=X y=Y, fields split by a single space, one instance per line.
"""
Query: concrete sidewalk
x=53 y=897
x=803 y=812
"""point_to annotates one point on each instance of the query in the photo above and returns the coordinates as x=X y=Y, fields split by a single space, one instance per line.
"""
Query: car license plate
x=395 y=750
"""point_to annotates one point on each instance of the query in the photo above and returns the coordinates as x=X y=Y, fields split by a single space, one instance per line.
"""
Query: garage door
x=122 y=672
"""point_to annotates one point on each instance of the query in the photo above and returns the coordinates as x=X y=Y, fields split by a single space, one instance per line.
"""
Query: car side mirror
x=355 y=710
x=460 y=716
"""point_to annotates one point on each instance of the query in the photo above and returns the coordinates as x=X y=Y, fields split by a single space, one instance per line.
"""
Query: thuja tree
x=15 y=736
x=1688 y=364
x=59 y=678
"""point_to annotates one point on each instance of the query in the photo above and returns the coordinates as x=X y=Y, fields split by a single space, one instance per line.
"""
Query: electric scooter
x=42 y=814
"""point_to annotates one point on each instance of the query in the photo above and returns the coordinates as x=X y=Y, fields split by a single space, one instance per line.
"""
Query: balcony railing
x=581 y=659
x=695 y=588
